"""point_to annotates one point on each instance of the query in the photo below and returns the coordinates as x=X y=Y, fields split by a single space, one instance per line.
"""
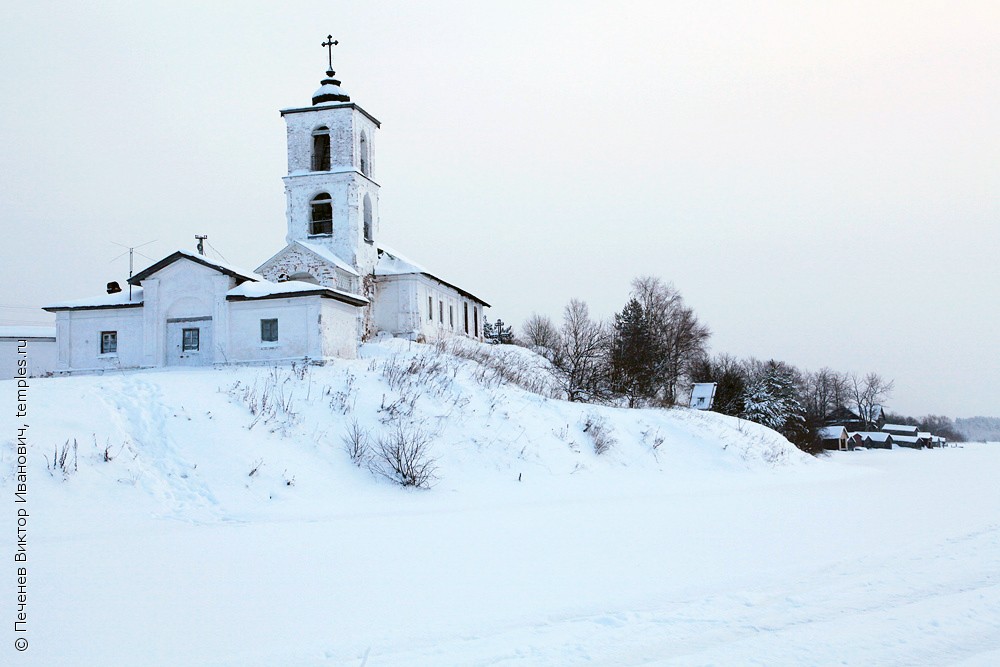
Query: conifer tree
x=633 y=361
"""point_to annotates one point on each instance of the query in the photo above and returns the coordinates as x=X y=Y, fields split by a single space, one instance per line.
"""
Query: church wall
x=347 y=191
x=184 y=290
x=79 y=336
x=338 y=329
x=296 y=324
x=295 y=259
x=402 y=308
x=344 y=181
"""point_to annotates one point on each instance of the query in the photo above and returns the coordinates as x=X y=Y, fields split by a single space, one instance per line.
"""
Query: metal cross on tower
x=329 y=44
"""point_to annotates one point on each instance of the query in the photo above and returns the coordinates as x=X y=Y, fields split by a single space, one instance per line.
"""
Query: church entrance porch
x=189 y=341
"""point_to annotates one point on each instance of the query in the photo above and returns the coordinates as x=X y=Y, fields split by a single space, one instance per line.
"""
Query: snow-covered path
x=886 y=558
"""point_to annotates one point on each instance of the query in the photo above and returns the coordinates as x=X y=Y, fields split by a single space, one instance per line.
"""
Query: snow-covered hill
x=213 y=517
x=239 y=443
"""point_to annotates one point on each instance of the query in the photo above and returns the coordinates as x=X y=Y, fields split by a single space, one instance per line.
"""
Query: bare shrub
x=600 y=433
x=61 y=461
x=402 y=455
x=269 y=397
x=343 y=401
x=357 y=444
x=497 y=367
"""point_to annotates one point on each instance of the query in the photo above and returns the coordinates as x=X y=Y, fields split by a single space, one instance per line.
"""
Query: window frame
x=320 y=148
x=108 y=344
x=321 y=199
x=269 y=327
x=185 y=348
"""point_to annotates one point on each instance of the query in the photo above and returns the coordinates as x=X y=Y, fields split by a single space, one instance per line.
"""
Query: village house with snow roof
x=331 y=287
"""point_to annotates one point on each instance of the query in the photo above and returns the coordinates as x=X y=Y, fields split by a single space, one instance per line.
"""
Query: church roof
x=391 y=263
x=333 y=105
x=290 y=288
x=222 y=267
x=116 y=300
x=328 y=255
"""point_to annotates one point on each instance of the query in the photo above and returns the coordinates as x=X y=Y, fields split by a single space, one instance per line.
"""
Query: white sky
x=820 y=180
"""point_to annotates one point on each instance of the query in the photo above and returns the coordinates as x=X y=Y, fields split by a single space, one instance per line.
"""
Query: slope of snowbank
x=239 y=443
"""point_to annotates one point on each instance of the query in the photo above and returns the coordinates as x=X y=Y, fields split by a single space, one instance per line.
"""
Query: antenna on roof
x=131 y=264
x=200 y=238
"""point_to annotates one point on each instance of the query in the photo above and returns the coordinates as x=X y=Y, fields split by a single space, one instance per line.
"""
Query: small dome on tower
x=330 y=90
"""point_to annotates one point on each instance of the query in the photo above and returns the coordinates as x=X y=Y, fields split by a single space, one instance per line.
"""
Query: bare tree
x=823 y=392
x=868 y=394
x=581 y=356
x=679 y=339
x=540 y=333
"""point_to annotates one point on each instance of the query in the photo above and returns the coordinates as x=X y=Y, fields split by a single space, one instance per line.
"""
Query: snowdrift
x=242 y=442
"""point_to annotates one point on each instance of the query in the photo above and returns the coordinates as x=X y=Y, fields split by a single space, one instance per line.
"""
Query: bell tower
x=332 y=197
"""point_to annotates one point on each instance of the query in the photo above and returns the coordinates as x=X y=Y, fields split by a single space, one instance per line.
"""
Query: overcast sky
x=820 y=180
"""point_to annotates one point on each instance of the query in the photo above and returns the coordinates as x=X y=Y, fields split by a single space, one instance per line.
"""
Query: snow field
x=694 y=540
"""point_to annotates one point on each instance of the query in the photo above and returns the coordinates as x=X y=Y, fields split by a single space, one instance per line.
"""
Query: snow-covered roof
x=902 y=428
x=874 y=436
x=116 y=300
x=328 y=255
x=392 y=263
x=831 y=432
x=224 y=267
x=265 y=289
x=28 y=331
x=926 y=435
x=912 y=439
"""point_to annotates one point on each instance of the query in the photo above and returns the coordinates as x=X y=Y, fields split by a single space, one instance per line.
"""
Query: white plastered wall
x=78 y=335
x=298 y=335
x=41 y=356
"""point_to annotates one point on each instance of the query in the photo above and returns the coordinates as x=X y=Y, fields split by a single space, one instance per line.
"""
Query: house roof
x=265 y=289
x=831 y=432
x=391 y=263
x=223 y=267
x=874 y=436
x=901 y=428
x=116 y=300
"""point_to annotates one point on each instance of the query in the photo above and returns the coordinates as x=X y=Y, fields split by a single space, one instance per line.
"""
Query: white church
x=330 y=288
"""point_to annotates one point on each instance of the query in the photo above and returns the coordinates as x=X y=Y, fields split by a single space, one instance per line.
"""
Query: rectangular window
x=190 y=340
x=269 y=331
x=466 y=307
x=109 y=342
x=440 y=311
x=451 y=316
x=430 y=308
x=475 y=319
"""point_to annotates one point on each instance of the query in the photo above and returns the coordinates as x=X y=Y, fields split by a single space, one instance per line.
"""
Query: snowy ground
x=719 y=546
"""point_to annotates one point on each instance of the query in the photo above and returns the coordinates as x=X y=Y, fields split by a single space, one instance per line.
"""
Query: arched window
x=364 y=153
x=322 y=215
x=321 y=149
x=369 y=232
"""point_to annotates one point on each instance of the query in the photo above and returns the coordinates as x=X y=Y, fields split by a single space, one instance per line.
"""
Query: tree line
x=655 y=348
